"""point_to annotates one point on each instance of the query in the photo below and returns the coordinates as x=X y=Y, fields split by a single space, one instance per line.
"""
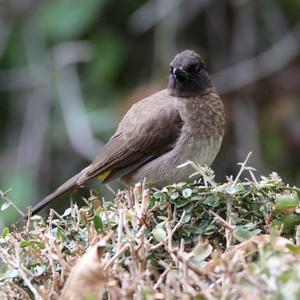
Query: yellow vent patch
x=103 y=175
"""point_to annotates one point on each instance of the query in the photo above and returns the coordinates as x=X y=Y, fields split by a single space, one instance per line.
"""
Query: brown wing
x=149 y=129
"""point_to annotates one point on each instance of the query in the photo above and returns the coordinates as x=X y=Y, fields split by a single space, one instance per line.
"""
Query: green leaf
x=159 y=234
x=289 y=222
x=187 y=217
x=157 y=195
x=286 y=201
x=32 y=243
x=201 y=254
x=59 y=233
x=174 y=196
x=186 y=193
x=182 y=202
x=242 y=234
x=212 y=200
x=98 y=223
x=5 y=232
x=295 y=249
x=163 y=202
x=235 y=189
x=163 y=218
x=91 y=296
x=190 y=229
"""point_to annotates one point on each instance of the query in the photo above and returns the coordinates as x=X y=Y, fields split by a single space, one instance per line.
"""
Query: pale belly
x=164 y=170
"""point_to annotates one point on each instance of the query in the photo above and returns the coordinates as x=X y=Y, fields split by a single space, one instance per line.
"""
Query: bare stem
x=243 y=166
x=6 y=199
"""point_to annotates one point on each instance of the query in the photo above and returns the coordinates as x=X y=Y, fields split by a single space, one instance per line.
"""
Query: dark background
x=69 y=69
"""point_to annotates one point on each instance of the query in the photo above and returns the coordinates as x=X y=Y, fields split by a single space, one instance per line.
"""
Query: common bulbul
x=158 y=133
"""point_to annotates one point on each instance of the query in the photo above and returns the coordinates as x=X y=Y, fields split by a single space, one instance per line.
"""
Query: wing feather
x=146 y=132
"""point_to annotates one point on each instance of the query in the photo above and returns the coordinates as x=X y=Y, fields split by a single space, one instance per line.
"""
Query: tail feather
x=67 y=186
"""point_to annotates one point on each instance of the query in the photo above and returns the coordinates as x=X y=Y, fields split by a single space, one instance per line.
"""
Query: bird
x=185 y=121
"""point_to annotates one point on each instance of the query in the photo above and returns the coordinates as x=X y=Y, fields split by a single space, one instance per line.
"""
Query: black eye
x=171 y=69
x=195 y=68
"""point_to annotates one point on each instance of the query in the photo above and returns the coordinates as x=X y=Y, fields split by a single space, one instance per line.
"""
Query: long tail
x=68 y=185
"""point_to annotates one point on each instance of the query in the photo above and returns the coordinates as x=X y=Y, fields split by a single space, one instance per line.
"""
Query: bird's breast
x=199 y=141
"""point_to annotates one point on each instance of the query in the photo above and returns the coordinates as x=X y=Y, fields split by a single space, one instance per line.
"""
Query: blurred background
x=69 y=69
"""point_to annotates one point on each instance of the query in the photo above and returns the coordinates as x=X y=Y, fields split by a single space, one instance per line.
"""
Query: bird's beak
x=179 y=73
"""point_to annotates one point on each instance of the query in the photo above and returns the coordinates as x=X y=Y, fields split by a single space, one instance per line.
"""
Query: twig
x=161 y=278
x=221 y=221
x=297 y=237
x=6 y=199
x=228 y=232
x=119 y=253
x=110 y=189
x=120 y=228
x=24 y=277
x=180 y=223
x=199 y=170
x=243 y=167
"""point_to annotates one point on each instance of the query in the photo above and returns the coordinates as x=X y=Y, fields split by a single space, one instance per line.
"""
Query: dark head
x=188 y=75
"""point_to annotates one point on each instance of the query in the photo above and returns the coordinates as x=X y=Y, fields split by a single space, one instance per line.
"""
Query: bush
x=186 y=241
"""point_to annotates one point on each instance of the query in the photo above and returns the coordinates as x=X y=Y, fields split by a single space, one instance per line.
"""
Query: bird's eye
x=194 y=68
x=171 y=69
x=197 y=68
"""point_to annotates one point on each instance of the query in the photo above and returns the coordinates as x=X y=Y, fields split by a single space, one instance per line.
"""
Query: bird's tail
x=68 y=185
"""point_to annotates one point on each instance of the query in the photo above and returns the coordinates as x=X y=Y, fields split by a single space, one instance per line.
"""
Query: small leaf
x=295 y=249
x=182 y=202
x=189 y=229
x=11 y=273
x=32 y=243
x=289 y=222
x=67 y=212
x=24 y=244
x=242 y=234
x=5 y=232
x=174 y=196
x=286 y=201
x=201 y=253
x=159 y=234
x=91 y=296
x=157 y=195
x=163 y=218
x=186 y=193
x=39 y=270
x=4 y=206
x=59 y=233
x=98 y=223
x=36 y=218
x=235 y=189
x=187 y=217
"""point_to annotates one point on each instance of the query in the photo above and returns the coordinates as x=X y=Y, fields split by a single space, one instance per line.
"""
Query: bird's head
x=188 y=75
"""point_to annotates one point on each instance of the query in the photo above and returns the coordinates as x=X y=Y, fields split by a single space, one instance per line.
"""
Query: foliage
x=193 y=241
x=69 y=69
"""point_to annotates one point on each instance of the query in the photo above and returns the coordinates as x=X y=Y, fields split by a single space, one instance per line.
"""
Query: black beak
x=180 y=73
